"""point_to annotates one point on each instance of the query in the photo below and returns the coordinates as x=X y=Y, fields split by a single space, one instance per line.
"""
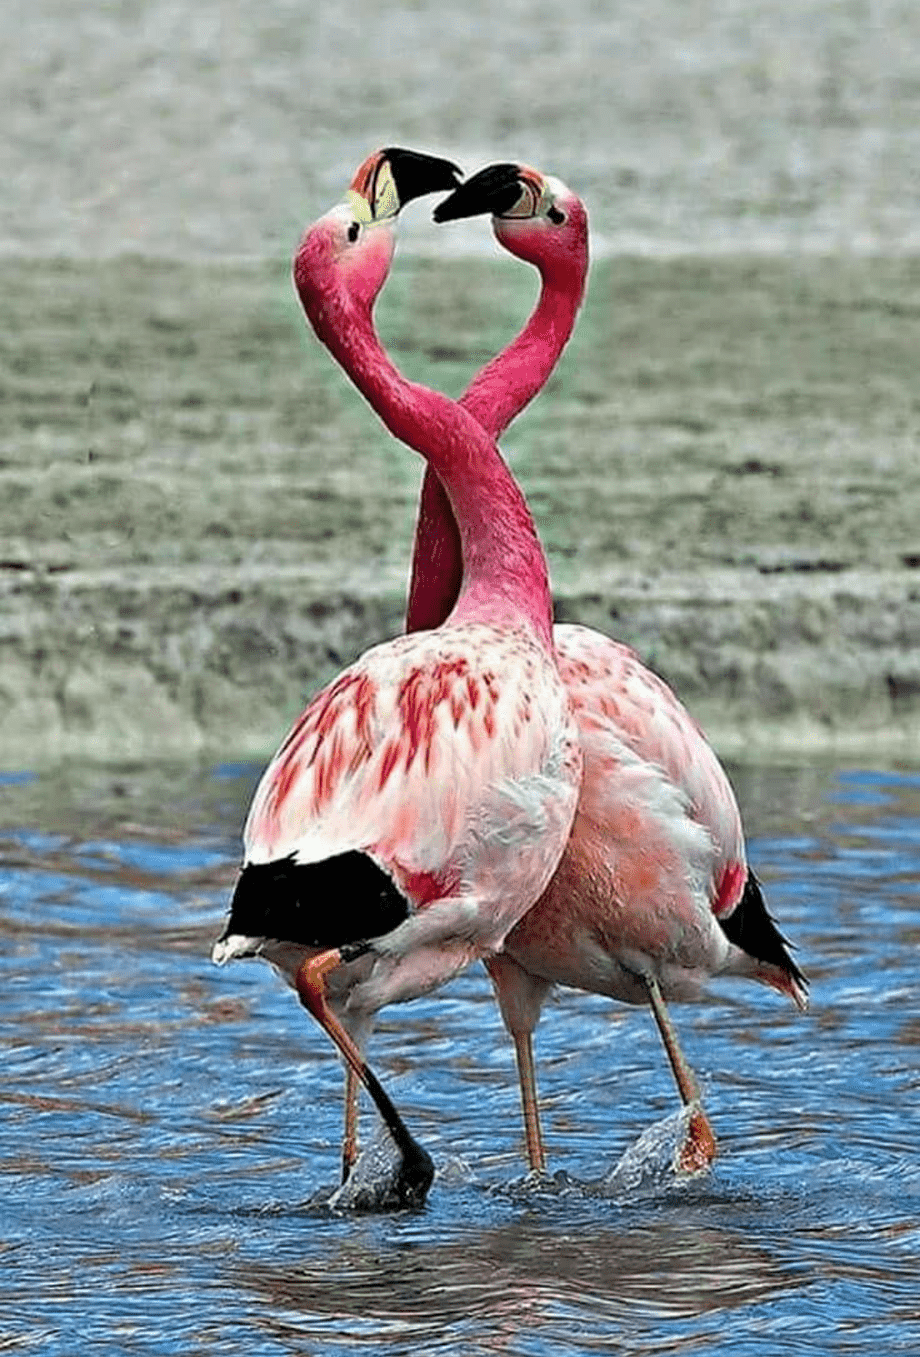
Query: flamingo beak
x=501 y=189
x=390 y=178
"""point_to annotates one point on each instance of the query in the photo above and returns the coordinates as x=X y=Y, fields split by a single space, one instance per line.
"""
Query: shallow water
x=166 y=1125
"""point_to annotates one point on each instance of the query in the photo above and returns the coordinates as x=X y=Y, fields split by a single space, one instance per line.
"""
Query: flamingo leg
x=523 y=1047
x=417 y=1168
x=520 y=995
x=350 y=1132
x=699 y=1147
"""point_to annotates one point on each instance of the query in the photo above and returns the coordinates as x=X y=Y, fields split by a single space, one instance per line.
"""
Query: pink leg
x=523 y=1047
x=519 y=997
x=350 y=1132
x=418 y=1169
x=699 y=1148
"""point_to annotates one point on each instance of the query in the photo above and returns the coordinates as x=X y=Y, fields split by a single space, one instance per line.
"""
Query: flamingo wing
x=606 y=679
x=444 y=758
x=608 y=684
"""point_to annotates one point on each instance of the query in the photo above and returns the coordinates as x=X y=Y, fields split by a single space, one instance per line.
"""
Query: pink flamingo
x=653 y=894
x=421 y=803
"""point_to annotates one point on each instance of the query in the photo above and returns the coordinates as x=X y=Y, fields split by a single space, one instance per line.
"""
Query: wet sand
x=200 y=520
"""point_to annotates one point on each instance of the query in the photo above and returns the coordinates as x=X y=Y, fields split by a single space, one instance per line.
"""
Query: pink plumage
x=422 y=801
x=653 y=894
x=447 y=757
x=655 y=867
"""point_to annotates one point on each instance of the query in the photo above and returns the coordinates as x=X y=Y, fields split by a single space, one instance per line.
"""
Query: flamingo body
x=655 y=868
x=425 y=795
x=654 y=879
x=653 y=895
x=422 y=801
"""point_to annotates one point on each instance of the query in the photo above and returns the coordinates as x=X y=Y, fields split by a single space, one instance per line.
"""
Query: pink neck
x=496 y=395
x=504 y=576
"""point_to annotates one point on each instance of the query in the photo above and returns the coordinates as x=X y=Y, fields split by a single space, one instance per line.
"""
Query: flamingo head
x=351 y=247
x=534 y=216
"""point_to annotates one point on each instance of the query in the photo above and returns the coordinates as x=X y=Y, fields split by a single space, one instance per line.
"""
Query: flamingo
x=420 y=804
x=653 y=894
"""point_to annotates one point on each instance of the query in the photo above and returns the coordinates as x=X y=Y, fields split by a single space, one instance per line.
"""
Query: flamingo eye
x=555 y=216
x=354 y=231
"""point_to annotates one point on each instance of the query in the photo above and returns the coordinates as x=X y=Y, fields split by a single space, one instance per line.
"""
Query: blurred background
x=217 y=129
x=201 y=520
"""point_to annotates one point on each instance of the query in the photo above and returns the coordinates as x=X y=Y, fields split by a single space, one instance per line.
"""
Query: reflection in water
x=527 y=1273
x=166 y=1127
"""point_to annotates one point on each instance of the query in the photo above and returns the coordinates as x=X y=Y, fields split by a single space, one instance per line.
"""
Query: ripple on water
x=170 y=1131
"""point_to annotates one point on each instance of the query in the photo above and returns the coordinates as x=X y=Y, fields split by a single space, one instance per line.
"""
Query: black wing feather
x=346 y=898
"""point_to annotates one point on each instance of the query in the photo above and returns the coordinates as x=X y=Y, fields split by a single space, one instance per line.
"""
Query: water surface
x=168 y=1128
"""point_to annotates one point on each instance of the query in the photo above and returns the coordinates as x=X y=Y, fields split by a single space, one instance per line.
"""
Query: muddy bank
x=220 y=666
x=200 y=520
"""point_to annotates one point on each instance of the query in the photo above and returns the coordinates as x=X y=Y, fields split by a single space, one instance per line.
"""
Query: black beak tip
x=416 y=174
x=494 y=189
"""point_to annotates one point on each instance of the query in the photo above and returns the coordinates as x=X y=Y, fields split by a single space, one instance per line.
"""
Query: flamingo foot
x=670 y=1152
x=699 y=1148
x=385 y=1178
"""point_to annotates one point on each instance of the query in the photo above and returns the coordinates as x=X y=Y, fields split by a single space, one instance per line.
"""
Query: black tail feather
x=344 y=899
x=751 y=927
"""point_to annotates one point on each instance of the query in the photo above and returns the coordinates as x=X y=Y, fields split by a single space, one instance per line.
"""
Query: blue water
x=167 y=1128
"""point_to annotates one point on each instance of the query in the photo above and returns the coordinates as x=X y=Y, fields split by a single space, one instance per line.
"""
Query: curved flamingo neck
x=508 y=383
x=504 y=576
x=495 y=396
